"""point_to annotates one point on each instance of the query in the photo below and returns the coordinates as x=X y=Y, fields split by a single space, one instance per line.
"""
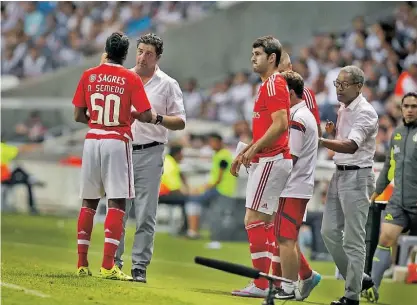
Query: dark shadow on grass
x=55 y=275
x=211 y=291
x=315 y=303
x=43 y=275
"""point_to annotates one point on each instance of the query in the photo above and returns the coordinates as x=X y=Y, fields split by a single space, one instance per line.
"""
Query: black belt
x=144 y=146
x=350 y=167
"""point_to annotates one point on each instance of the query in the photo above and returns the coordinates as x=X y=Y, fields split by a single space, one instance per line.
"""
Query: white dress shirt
x=357 y=122
x=165 y=97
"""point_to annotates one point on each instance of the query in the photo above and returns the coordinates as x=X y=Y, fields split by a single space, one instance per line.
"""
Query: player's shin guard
x=84 y=229
x=113 y=227
x=381 y=262
x=305 y=271
x=258 y=240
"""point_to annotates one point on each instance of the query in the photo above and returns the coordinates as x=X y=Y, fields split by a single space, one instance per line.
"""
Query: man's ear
x=272 y=58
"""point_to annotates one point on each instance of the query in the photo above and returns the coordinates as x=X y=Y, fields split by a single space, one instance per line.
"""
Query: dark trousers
x=20 y=176
x=314 y=220
x=177 y=198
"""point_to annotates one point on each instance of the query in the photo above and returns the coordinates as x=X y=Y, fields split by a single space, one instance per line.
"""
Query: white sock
x=288 y=287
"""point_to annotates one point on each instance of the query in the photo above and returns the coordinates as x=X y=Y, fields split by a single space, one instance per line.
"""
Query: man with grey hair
x=351 y=186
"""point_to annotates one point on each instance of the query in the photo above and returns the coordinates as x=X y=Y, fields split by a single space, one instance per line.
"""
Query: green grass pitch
x=38 y=263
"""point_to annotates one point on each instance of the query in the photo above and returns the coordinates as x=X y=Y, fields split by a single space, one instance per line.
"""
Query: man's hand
x=330 y=128
x=103 y=59
x=249 y=155
x=235 y=167
x=373 y=197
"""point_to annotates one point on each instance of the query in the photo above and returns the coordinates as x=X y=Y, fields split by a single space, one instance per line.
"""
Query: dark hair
x=153 y=40
x=409 y=94
x=295 y=82
x=117 y=46
x=216 y=136
x=270 y=45
x=175 y=149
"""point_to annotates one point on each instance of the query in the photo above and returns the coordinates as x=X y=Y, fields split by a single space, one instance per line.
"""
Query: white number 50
x=110 y=101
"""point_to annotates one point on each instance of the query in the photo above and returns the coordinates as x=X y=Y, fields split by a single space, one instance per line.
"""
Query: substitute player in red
x=308 y=94
x=107 y=92
x=297 y=193
x=267 y=158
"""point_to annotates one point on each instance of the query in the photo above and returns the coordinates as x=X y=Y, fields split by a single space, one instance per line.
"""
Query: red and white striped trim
x=254 y=225
x=83 y=242
x=112 y=241
x=308 y=98
x=270 y=85
x=98 y=134
x=259 y=255
x=261 y=186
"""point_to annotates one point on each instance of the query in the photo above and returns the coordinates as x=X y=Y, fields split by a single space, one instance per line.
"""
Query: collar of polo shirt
x=355 y=102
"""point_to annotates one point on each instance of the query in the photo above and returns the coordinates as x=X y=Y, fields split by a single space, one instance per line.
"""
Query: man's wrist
x=159 y=118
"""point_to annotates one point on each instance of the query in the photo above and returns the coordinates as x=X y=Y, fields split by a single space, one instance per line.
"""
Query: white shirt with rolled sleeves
x=303 y=144
x=165 y=97
x=357 y=122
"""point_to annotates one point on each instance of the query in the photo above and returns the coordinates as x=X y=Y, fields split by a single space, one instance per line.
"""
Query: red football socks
x=113 y=228
x=258 y=240
x=84 y=228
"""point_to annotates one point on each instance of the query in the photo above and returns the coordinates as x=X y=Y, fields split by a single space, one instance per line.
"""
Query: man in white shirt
x=350 y=189
x=298 y=191
x=149 y=141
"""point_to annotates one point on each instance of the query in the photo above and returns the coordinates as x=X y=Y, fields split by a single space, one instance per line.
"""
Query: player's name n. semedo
x=107 y=78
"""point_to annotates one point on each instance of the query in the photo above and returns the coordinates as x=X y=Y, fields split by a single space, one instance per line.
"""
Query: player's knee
x=252 y=216
x=387 y=239
x=286 y=242
x=193 y=209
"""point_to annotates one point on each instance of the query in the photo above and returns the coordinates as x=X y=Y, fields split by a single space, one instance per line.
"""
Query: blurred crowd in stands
x=386 y=51
x=41 y=36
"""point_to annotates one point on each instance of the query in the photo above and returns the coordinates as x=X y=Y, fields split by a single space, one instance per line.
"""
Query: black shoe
x=367 y=283
x=139 y=275
x=280 y=294
x=345 y=301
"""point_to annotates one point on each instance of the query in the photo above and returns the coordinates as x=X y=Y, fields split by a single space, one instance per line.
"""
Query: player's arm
x=384 y=178
x=80 y=110
x=297 y=138
x=278 y=126
x=140 y=101
x=175 y=118
x=223 y=166
x=80 y=115
x=365 y=123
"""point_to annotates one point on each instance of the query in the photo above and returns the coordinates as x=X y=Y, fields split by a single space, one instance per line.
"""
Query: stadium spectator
x=71 y=30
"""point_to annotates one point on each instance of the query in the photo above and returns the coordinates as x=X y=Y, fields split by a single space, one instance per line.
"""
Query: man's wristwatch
x=159 y=119
x=321 y=140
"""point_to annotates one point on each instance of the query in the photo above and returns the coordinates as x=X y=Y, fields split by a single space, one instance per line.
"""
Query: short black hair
x=295 y=82
x=270 y=45
x=153 y=40
x=175 y=149
x=117 y=46
x=409 y=94
x=216 y=136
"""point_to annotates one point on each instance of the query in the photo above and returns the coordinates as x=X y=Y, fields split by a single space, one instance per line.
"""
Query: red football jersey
x=273 y=95
x=109 y=91
x=310 y=99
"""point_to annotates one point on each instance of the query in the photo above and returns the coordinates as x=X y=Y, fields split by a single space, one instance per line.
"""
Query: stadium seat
x=406 y=243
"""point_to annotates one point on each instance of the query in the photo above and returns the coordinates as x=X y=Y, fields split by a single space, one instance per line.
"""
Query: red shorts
x=289 y=217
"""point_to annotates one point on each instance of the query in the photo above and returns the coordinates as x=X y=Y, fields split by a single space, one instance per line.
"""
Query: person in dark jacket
x=401 y=212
